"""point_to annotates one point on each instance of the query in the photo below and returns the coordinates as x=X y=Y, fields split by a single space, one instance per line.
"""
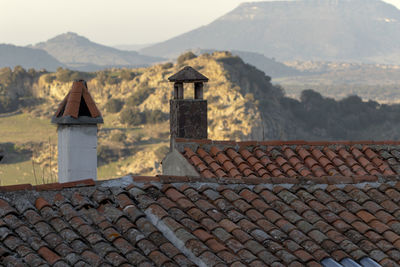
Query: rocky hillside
x=79 y=52
x=230 y=92
x=336 y=30
x=243 y=105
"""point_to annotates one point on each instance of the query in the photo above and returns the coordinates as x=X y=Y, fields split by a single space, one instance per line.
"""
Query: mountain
x=80 y=53
x=11 y=56
x=336 y=30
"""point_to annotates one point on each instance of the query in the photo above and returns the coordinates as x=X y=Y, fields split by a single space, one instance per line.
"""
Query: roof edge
x=282 y=142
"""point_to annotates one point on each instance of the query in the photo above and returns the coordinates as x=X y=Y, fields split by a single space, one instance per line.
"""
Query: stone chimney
x=188 y=117
x=77 y=118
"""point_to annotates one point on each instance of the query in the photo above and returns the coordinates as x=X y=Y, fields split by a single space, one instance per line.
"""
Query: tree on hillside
x=184 y=57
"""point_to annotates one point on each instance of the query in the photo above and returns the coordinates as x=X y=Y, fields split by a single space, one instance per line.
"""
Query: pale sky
x=109 y=22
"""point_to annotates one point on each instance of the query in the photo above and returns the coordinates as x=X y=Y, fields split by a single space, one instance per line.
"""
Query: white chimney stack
x=77 y=118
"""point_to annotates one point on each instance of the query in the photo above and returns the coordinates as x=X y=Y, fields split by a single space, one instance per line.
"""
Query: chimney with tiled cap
x=77 y=118
x=188 y=117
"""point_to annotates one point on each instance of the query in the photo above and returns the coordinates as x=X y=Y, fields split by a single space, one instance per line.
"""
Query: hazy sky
x=109 y=22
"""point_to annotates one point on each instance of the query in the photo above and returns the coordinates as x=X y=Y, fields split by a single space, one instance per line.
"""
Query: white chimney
x=77 y=118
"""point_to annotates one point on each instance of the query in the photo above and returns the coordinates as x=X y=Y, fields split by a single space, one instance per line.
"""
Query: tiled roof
x=183 y=221
x=78 y=102
x=188 y=74
x=291 y=159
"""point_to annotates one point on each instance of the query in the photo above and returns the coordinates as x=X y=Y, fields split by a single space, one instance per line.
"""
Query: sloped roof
x=183 y=221
x=188 y=75
x=77 y=104
x=291 y=158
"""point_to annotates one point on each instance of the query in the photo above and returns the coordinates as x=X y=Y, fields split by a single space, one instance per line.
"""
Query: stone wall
x=188 y=118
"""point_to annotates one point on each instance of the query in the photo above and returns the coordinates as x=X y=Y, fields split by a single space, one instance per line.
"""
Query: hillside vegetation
x=243 y=104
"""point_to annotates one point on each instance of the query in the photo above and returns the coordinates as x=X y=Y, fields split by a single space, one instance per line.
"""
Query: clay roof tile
x=77 y=103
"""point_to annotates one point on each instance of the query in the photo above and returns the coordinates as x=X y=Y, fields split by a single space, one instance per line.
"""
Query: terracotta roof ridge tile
x=70 y=106
x=287 y=142
x=159 y=180
x=47 y=187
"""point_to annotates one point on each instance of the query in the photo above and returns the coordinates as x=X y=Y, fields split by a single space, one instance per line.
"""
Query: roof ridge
x=283 y=142
x=166 y=179
x=47 y=187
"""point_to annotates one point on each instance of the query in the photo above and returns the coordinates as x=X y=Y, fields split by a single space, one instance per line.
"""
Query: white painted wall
x=77 y=152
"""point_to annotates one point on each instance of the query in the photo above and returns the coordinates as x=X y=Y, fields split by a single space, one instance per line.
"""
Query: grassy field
x=17 y=167
x=23 y=128
x=21 y=132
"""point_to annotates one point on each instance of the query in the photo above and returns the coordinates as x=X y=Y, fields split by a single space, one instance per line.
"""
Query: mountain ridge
x=349 y=30
x=12 y=56
x=78 y=51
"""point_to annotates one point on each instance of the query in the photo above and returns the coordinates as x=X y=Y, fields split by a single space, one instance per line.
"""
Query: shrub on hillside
x=118 y=137
x=66 y=75
x=185 y=56
x=7 y=104
x=131 y=117
x=140 y=95
x=106 y=155
x=113 y=80
x=155 y=116
x=49 y=78
x=127 y=75
x=167 y=65
x=101 y=77
x=63 y=75
x=114 y=105
x=15 y=85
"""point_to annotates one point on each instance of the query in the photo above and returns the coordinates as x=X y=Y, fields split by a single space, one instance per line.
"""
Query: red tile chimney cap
x=78 y=107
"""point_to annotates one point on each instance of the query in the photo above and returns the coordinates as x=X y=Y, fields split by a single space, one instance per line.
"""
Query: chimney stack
x=188 y=117
x=77 y=118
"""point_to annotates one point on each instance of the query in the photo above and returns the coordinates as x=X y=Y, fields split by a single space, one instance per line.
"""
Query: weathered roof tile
x=78 y=102
x=219 y=224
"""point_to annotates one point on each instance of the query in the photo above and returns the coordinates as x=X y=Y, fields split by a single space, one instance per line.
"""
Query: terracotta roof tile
x=291 y=159
x=72 y=103
x=267 y=224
